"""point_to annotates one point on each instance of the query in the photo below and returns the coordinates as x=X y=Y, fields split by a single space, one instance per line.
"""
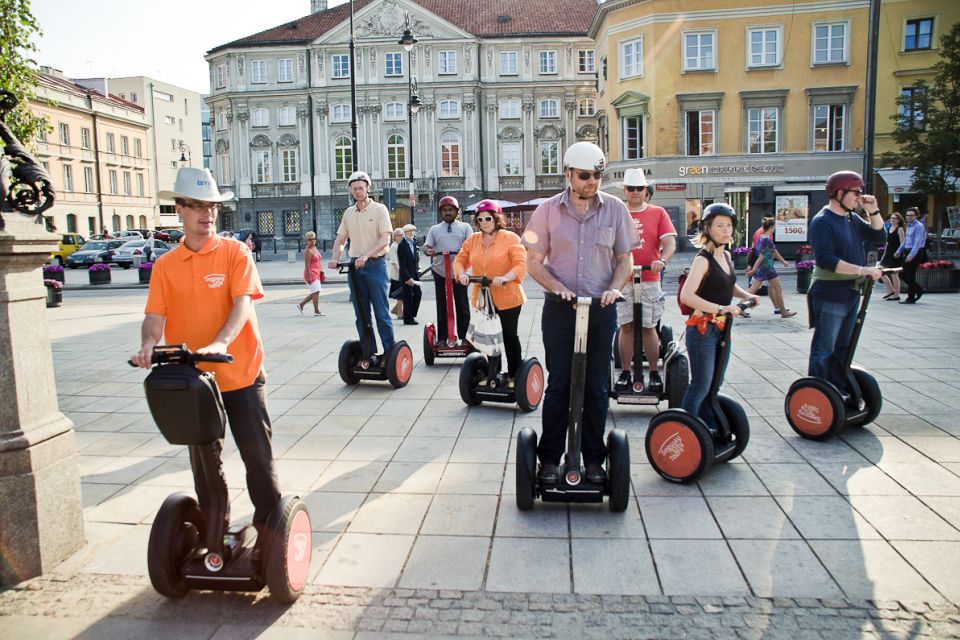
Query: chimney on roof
x=316 y=6
x=50 y=71
x=96 y=84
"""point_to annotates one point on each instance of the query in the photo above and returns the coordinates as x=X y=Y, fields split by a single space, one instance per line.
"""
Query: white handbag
x=485 y=332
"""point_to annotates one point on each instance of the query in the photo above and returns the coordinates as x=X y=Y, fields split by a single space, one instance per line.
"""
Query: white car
x=147 y=250
x=128 y=235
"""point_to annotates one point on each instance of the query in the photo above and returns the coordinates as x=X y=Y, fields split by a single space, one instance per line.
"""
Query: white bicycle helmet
x=359 y=175
x=586 y=156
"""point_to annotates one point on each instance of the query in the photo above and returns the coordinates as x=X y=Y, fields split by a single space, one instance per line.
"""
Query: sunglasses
x=632 y=189
x=484 y=218
x=585 y=175
x=859 y=192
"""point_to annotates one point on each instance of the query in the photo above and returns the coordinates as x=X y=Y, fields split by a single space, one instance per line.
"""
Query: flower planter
x=939 y=280
x=54 y=275
x=99 y=277
x=740 y=261
x=803 y=281
x=54 y=296
x=144 y=275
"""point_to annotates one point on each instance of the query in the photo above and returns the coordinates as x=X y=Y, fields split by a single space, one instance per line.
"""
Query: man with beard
x=448 y=235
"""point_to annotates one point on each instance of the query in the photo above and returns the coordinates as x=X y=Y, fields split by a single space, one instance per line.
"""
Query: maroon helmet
x=843 y=181
x=488 y=205
x=448 y=201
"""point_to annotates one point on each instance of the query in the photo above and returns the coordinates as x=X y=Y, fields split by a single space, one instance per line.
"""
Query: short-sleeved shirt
x=194 y=292
x=581 y=252
x=365 y=228
x=446 y=237
x=653 y=224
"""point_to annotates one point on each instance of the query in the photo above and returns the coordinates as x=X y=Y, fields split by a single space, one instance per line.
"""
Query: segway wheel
x=529 y=385
x=471 y=372
x=739 y=424
x=290 y=550
x=814 y=408
x=350 y=354
x=399 y=364
x=616 y=350
x=871 y=396
x=526 y=468
x=618 y=469
x=666 y=338
x=429 y=340
x=679 y=446
x=175 y=534
x=678 y=379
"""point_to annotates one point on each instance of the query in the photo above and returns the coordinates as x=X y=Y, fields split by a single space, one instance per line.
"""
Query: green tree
x=928 y=128
x=17 y=68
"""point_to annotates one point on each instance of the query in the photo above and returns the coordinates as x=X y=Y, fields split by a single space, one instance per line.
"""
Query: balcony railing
x=550 y=182
x=450 y=184
x=511 y=182
x=402 y=185
x=275 y=190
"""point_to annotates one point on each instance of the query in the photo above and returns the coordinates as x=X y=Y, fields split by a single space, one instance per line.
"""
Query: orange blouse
x=504 y=254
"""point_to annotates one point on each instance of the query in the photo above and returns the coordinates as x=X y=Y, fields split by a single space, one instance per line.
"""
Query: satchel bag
x=485 y=332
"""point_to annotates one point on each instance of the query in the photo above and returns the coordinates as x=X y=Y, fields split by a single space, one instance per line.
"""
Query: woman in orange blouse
x=497 y=254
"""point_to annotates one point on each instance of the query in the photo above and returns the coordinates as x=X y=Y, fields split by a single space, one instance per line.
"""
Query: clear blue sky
x=163 y=40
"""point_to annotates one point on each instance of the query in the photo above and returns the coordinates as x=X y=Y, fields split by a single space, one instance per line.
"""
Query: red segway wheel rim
x=534 y=386
x=404 y=365
x=299 y=551
x=811 y=411
x=675 y=449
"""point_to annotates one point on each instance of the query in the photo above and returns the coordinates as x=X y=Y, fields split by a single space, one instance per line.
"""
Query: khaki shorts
x=653 y=304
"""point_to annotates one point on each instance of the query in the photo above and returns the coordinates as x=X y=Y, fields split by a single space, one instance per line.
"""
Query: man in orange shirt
x=201 y=294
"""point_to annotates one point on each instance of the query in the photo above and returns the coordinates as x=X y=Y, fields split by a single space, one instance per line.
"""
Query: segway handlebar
x=481 y=280
x=746 y=304
x=180 y=354
x=556 y=297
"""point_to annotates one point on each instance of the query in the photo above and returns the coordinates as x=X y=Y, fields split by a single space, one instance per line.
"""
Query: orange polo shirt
x=194 y=291
x=506 y=253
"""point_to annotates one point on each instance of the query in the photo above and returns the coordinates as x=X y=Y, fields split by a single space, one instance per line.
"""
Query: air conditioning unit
x=761 y=194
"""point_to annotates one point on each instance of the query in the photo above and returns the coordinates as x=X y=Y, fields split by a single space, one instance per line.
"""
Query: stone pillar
x=41 y=514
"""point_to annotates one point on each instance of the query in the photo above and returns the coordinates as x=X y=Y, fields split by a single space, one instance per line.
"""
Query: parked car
x=159 y=234
x=148 y=250
x=242 y=237
x=69 y=242
x=93 y=252
x=129 y=234
x=175 y=234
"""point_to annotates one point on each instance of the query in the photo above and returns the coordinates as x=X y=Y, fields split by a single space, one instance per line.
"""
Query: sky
x=164 y=40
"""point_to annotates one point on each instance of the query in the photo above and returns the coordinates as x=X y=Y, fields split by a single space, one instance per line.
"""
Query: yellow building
x=96 y=155
x=750 y=102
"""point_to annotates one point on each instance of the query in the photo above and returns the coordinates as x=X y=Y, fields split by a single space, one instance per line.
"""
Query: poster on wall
x=953 y=217
x=792 y=218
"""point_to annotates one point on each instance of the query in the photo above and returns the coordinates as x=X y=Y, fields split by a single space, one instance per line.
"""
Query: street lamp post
x=408 y=40
x=185 y=155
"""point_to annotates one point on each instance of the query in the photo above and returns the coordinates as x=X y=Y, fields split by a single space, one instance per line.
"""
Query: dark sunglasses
x=859 y=192
x=584 y=175
x=484 y=218
x=632 y=189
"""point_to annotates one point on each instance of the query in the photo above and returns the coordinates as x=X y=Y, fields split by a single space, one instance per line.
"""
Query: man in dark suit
x=408 y=257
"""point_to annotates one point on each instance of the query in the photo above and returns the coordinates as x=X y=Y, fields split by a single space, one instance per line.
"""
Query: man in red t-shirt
x=658 y=242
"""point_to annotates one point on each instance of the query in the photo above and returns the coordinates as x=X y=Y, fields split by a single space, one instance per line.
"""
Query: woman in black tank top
x=709 y=289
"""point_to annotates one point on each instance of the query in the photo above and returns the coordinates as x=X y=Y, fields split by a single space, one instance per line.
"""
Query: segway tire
x=739 y=424
x=814 y=408
x=666 y=338
x=175 y=533
x=679 y=446
x=470 y=374
x=618 y=469
x=290 y=548
x=429 y=340
x=617 y=363
x=678 y=379
x=350 y=354
x=526 y=468
x=399 y=364
x=529 y=385
x=871 y=396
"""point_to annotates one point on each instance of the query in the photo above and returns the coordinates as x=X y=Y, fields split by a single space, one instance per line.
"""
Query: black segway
x=817 y=410
x=452 y=348
x=676 y=369
x=193 y=549
x=356 y=363
x=573 y=486
x=681 y=447
x=481 y=379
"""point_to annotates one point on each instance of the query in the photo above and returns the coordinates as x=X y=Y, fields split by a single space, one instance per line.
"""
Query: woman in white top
x=394 y=265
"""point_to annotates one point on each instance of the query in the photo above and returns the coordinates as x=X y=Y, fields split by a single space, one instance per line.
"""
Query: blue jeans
x=373 y=284
x=833 y=324
x=558 y=323
x=702 y=353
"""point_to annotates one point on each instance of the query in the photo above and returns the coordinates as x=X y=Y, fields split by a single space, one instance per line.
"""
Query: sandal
x=786 y=313
x=300 y=308
x=319 y=313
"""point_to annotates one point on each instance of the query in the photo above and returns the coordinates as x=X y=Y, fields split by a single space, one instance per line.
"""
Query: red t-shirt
x=652 y=223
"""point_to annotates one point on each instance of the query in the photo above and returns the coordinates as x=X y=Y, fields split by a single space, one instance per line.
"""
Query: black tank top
x=717 y=286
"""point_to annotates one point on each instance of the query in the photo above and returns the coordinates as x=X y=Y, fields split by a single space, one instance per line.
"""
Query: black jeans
x=461 y=307
x=411 y=302
x=509 y=319
x=910 y=273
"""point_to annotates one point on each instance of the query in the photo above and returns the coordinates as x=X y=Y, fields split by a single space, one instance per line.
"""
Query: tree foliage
x=17 y=68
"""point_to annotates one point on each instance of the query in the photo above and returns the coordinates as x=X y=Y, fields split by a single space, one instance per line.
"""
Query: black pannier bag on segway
x=186 y=404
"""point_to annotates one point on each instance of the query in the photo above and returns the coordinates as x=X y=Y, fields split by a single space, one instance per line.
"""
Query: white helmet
x=359 y=175
x=584 y=155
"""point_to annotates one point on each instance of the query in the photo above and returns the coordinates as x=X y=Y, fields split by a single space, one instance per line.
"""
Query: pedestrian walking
x=914 y=253
x=895 y=236
x=408 y=257
x=312 y=273
x=762 y=270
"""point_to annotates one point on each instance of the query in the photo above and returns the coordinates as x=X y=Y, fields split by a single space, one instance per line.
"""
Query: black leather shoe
x=595 y=474
x=410 y=322
x=549 y=474
x=908 y=301
x=656 y=382
x=623 y=382
x=920 y=292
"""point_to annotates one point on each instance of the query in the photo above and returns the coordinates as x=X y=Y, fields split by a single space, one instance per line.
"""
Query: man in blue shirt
x=837 y=237
x=914 y=245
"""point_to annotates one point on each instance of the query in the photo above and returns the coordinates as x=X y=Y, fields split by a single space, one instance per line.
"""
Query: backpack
x=684 y=309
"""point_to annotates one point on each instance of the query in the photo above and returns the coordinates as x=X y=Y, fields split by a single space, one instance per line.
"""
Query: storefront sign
x=792 y=214
x=730 y=169
x=676 y=186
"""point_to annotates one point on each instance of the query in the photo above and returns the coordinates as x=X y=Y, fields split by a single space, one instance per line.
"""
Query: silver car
x=146 y=250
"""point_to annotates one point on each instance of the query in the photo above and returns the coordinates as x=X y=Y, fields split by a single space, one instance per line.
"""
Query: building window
x=509 y=109
x=911 y=107
x=91 y=225
x=133 y=96
x=764 y=47
x=258 y=71
x=763 y=133
x=392 y=64
x=115 y=221
x=828 y=127
x=631 y=58
x=340 y=65
x=127 y=187
x=586 y=107
x=262 y=164
x=632 y=134
x=285 y=70
x=140 y=189
x=265 y=223
x=549 y=158
x=449 y=109
x=260 y=118
x=42 y=134
x=549 y=108
x=394 y=111
x=396 y=156
x=88 y=179
x=286 y=116
x=508 y=63
x=84 y=138
x=510 y=159
x=447 y=61
x=221 y=76
x=67 y=177
x=71 y=223
x=130 y=224
x=698 y=51
x=342 y=158
x=170 y=120
x=288 y=162
x=64 y=133
x=222 y=121
x=586 y=61
x=340 y=113
x=225 y=169
x=111 y=143
x=291 y=222
x=125 y=145
x=143 y=222
x=830 y=43
x=918 y=34
x=137 y=148
x=548 y=62
x=449 y=155
x=163 y=95
x=113 y=181
x=701 y=133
